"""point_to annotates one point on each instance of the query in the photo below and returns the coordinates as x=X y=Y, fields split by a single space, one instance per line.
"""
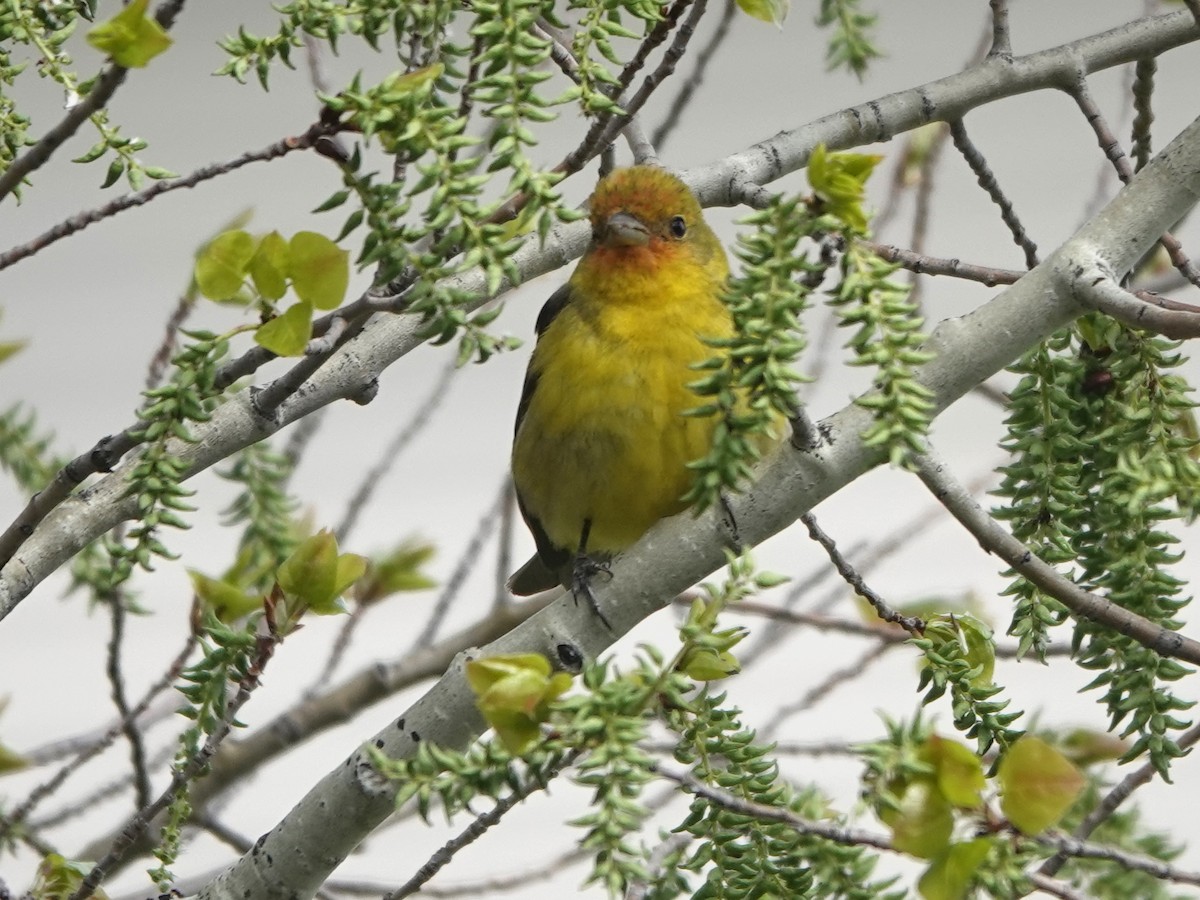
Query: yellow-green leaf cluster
x=839 y=181
x=240 y=268
x=223 y=598
x=130 y=38
x=514 y=693
x=397 y=571
x=771 y=11
x=59 y=878
x=315 y=576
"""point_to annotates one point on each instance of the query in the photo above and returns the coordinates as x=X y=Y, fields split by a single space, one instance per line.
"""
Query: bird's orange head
x=644 y=217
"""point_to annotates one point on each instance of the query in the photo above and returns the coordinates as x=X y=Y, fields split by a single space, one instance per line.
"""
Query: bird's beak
x=624 y=230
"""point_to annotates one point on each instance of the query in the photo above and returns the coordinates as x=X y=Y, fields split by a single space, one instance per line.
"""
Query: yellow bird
x=602 y=443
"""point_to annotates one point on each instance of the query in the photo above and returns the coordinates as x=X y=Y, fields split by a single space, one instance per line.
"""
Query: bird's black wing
x=541 y=572
x=552 y=307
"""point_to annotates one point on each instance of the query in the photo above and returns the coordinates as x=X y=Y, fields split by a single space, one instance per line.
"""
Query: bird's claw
x=587 y=568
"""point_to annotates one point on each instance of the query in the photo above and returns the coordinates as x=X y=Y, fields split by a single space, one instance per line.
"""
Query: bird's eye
x=678 y=227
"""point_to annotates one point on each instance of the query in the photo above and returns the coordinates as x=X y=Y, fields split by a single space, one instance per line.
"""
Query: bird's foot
x=587 y=568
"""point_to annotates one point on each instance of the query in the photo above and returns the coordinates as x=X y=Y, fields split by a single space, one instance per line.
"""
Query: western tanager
x=602 y=444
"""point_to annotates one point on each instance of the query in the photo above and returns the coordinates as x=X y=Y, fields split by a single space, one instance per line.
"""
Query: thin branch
x=605 y=129
x=838 y=834
x=116 y=680
x=467 y=562
x=912 y=624
x=1001 y=39
x=1111 y=147
x=405 y=435
x=97 y=98
x=687 y=91
x=11 y=821
x=994 y=539
x=1143 y=95
x=185 y=774
x=1106 y=295
x=832 y=680
x=1071 y=846
x=890 y=634
x=82 y=220
x=479 y=827
x=987 y=181
x=956 y=268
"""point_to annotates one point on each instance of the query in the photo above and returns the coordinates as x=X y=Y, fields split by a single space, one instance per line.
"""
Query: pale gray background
x=94 y=306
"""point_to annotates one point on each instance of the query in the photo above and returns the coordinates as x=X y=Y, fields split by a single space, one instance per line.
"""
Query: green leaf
x=226 y=601
x=130 y=38
x=222 y=265
x=772 y=11
x=708 y=664
x=513 y=692
x=311 y=570
x=269 y=266
x=922 y=821
x=399 y=570
x=11 y=760
x=287 y=334
x=840 y=181
x=59 y=877
x=957 y=770
x=320 y=269
x=949 y=877
x=11 y=348
x=1038 y=785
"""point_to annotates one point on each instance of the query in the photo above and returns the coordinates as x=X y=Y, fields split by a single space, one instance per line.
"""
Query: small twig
x=1109 y=297
x=834 y=678
x=467 y=562
x=267 y=400
x=687 y=90
x=994 y=539
x=82 y=220
x=479 y=827
x=116 y=680
x=987 y=181
x=87 y=802
x=1111 y=147
x=1071 y=846
x=890 y=634
x=956 y=268
x=1001 y=38
x=42 y=791
x=838 y=834
x=404 y=436
x=912 y=624
x=1143 y=95
x=604 y=130
x=184 y=775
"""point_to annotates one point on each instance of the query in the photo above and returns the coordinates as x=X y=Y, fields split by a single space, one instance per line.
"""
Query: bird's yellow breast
x=604 y=437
